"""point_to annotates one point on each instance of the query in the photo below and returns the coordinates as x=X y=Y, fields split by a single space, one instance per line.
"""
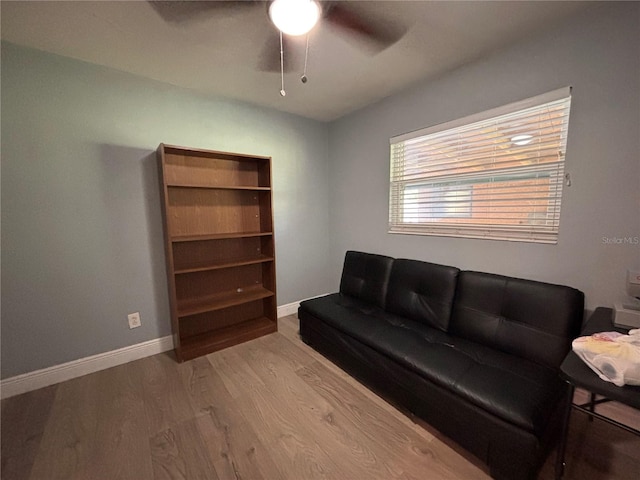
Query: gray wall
x=598 y=54
x=81 y=227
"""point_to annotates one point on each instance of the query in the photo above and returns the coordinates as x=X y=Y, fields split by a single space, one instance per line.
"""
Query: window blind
x=497 y=175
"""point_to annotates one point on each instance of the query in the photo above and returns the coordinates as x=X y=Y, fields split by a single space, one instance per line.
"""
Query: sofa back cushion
x=365 y=276
x=422 y=291
x=533 y=320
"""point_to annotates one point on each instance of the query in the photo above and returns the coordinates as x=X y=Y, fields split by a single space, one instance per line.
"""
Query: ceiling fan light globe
x=294 y=17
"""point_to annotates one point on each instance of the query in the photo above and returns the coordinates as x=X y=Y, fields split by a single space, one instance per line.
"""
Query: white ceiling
x=218 y=54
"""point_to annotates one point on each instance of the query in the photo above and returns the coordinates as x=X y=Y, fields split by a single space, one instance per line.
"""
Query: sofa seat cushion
x=517 y=390
x=359 y=319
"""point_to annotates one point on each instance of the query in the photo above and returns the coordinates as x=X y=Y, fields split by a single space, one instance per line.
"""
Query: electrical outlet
x=134 y=320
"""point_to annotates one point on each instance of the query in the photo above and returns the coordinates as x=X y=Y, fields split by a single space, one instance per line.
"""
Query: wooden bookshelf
x=220 y=252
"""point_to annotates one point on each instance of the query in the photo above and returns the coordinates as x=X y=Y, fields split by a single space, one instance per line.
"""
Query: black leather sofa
x=475 y=355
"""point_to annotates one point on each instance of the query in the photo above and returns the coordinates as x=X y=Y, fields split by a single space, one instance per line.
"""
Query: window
x=496 y=175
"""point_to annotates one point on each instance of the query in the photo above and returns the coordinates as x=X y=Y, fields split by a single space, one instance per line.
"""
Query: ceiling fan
x=293 y=18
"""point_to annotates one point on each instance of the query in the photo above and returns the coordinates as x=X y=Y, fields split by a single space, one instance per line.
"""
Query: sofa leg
x=562 y=444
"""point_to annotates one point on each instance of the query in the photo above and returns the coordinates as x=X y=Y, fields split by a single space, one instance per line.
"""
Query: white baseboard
x=291 y=308
x=59 y=373
x=288 y=309
x=76 y=368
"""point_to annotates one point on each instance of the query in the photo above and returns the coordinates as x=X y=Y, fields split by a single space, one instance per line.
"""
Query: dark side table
x=578 y=374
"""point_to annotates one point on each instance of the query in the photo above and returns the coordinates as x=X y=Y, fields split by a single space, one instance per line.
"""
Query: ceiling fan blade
x=378 y=34
x=269 y=60
x=185 y=11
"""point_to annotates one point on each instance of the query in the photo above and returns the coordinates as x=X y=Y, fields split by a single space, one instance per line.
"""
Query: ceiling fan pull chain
x=303 y=78
x=282 y=92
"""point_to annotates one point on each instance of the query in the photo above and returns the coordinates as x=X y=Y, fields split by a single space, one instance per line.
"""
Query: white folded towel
x=615 y=357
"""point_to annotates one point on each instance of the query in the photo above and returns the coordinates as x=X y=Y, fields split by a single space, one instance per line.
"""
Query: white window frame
x=476 y=178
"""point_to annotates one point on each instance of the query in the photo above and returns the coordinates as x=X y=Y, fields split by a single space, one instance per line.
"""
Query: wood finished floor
x=271 y=408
